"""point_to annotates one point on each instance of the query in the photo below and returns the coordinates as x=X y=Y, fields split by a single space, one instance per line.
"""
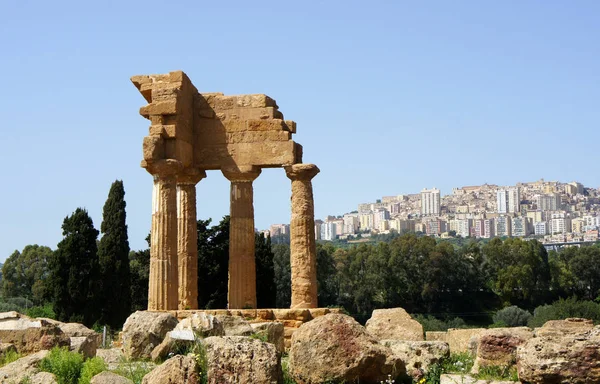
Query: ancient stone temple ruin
x=191 y=133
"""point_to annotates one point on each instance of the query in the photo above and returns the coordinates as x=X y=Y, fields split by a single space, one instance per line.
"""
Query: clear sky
x=389 y=96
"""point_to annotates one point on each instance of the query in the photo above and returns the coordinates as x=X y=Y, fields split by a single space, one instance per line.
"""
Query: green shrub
x=65 y=365
x=91 y=368
x=134 y=370
x=9 y=357
x=498 y=373
x=565 y=308
x=41 y=311
x=431 y=323
x=512 y=317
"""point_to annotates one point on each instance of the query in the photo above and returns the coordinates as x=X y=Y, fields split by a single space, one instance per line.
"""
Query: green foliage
x=498 y=373
x=45 y=311
x=134 y=370
x=91 y=367
x=139 y=269
x=431 y=323
x=24 y=274
x=213 y=263
x=260 y=336
x=74 y=271
x=265 y=273
x=512 y=316
x=282 y=272
x=9 y=357
x=113 y=260
x=285 y=367
x=565 y=308
x=19 y=304
x=460 y=363
x=65 y=365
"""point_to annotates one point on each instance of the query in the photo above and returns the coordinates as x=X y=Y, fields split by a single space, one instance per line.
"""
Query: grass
x=9 y=357
x=498 y=372
x=65 y=365
x=134 y=370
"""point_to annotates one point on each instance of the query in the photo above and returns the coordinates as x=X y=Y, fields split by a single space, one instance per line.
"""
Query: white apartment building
x=502 y=201
x=540 y=228
x=464 y=227
x=430 y=202
x=351 y=223
x=521 y=226
x=503 y=226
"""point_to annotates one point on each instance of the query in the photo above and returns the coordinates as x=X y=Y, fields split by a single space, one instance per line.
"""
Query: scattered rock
x=107 y=377
x=394 y=324
x=563 y=352
x=335 y=347
x=498 y=347
x=175 y=341
x=237 y=359
x=202 y=324
x=112 y=357
x=463 y=340
x=85 y=345
x=272 y=331
x=436 y=335
x=143 y=331
x=235 y=325
x=25 y=367
x=177 y=370
x=466 y=379
x=30 y=335
x=43 y=378
x=563 y=327
x=418 y=355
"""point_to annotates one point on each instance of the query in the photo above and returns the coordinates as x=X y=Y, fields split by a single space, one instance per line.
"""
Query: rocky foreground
x=330 y=348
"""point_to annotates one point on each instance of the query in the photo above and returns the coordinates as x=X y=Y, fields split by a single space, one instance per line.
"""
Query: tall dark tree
x=74 y=271
x=25 y=273
x=113 y=258
x=213 y=263
x=265 y=273
x=139 y=269
x=282 y=275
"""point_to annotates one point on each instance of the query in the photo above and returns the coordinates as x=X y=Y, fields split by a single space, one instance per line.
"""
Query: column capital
x=301 y=171
x=163 y=168
x=246 y=173
x=191 y=176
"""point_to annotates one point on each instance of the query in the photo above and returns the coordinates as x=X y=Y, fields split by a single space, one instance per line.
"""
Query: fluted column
x=187 y=238
x=303 y=252
x=242 y=266
x=162 y=290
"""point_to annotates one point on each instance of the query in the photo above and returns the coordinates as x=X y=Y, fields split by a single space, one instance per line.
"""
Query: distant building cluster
x=552 y=211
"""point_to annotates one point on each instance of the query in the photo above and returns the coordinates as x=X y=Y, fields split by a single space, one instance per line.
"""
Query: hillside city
x=551 y=211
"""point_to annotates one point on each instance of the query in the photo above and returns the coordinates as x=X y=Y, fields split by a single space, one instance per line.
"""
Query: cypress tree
x=113 y=257
x=265 y=272
x=74 y=271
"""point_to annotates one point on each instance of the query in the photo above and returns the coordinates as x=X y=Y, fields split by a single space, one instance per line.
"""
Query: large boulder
x=202 y=324
x=418 y=356
x=22 y=369
x=175 y=342
x=563 y=352
x=112 y=357
x=42 y=378
x=463 y=340
x=30 y=335
x=235 y=325
x=238 y=359
x=558 y=328
x=84 y=345
x=177 y=370
x=335 y=347
x=498 y=347
x=107 y=377
x=394 y=324
x=272 y=332
x=143 y=331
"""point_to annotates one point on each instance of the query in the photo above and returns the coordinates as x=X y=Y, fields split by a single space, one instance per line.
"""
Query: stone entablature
x=192 y=132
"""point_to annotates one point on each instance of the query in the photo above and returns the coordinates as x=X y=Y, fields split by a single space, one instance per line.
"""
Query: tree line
x=102 y=281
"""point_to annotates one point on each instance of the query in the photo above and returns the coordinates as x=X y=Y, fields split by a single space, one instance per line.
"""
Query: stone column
x=242 y=266
x=187 y=241
x=162 y=291
x=303 y=250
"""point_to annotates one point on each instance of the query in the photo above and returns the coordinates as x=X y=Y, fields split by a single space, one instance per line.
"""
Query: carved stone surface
x=302 y=236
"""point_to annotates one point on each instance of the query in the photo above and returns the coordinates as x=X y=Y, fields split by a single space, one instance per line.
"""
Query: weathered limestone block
x=302 y=236
x=272 y=331
x=394 y=324
x=178 y=369
x=436 y=335
x=154 y=148
x=235 y=325
x=335 y=347
x=567 y=355
x=242 y=266
x=202 y=325
x=466 y=379
x=6 y=348
x=30 y=335
x=187 y=242
x=24 y=368
x=84 y=345
x=463 y=340
x=175 y=341
x=237 y=359
x=292 y=314
x=107 y=377
x=112 y=357
x=559 y=328
x=498 y=347
x=418 y=356
x=143 y=331
x=43 y=378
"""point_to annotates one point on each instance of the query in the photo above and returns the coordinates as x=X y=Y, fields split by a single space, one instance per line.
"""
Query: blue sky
x=389 y=96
